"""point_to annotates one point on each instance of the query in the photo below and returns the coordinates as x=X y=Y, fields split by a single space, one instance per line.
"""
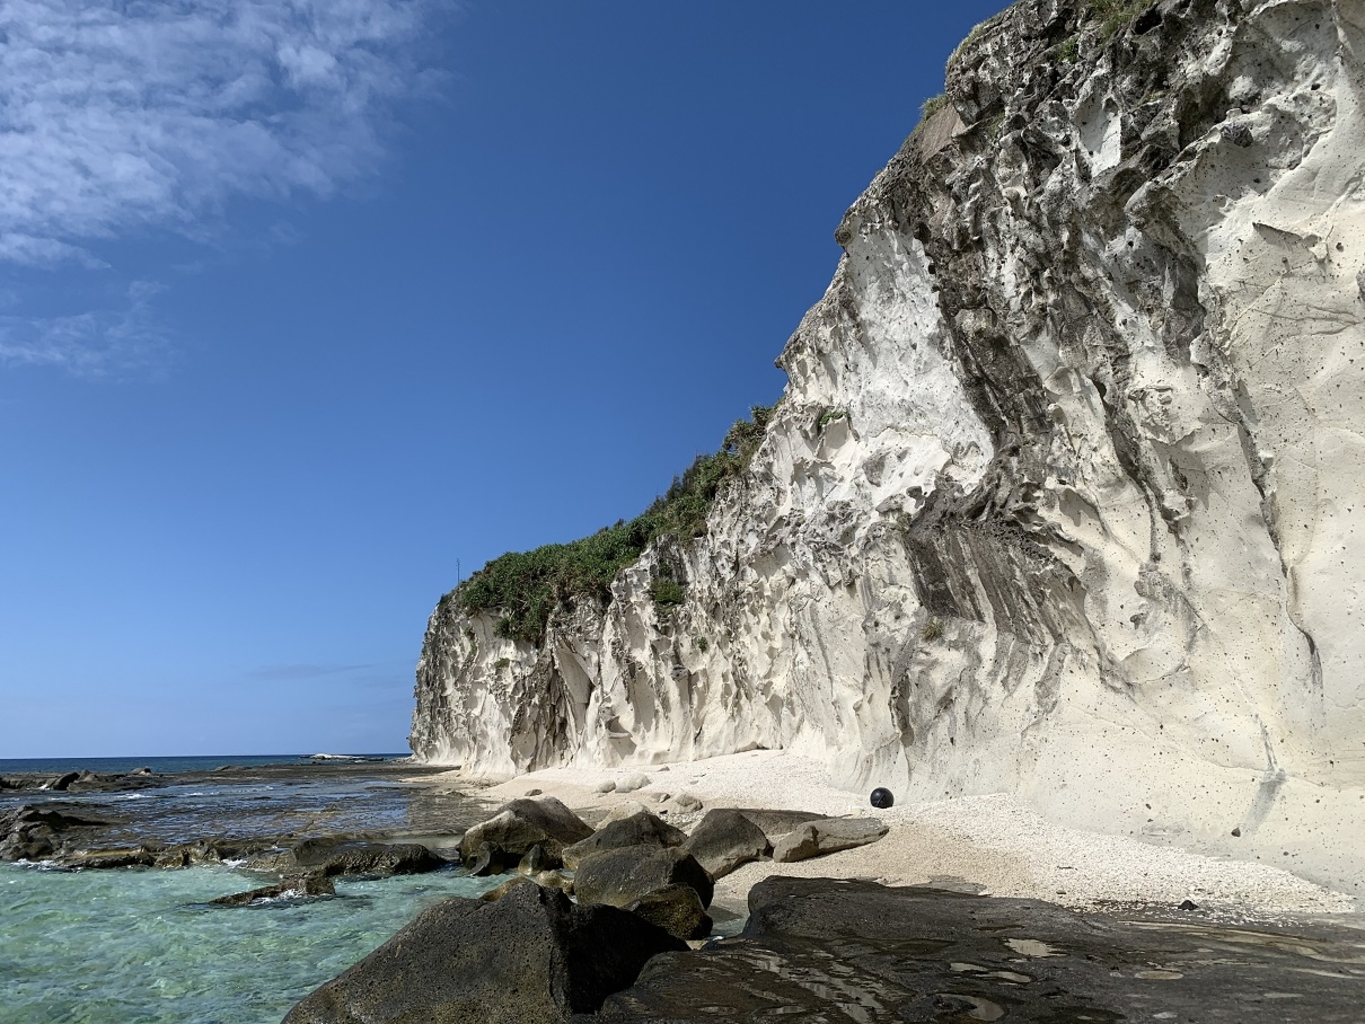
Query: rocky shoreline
x=84 y=820
x=814 y=949
x=608 y=914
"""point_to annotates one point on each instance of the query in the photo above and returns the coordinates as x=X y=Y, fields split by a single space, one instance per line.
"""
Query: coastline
x=992 y=845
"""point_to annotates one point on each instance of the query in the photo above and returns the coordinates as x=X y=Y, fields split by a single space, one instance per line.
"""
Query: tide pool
x=140 y=946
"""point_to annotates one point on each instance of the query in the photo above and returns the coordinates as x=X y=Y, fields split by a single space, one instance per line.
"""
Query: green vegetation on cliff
x=523 y=587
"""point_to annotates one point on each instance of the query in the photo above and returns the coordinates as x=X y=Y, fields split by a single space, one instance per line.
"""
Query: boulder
x=315 y=883
x=827 y=835
x=505 y=888
x=641 y=829
x=33 y=832
x=631 y=783
x=776 y=824
x=676 y=909
x=522 y=824
x=620 y=877
x=531 y=957
x=537 y=860
x=724 y=840
x=340 y=856
x=486 y=860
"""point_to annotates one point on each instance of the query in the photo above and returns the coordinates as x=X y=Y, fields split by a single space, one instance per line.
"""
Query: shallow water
x=247 y=802
x=140 y=947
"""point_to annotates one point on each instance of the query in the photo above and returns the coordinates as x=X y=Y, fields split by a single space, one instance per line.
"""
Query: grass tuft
x=522 y=588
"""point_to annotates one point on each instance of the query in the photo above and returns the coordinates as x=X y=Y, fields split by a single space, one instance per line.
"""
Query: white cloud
x=122 y=116
x=154 y=112
x=95 y=343
x=45 y=252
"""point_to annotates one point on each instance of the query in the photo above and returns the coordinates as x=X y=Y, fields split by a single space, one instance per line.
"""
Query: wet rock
x=63 y=783
x=641 y=829
x=531 y=957
x=126 y=857
x=486 y=860
x=342 y=856
x=35 y=832
x=815 y=838
x=537 y=860
x=824 y=949
x=724 y=840
x=620 y=877
x=313 y=884
x=676 y=909
x=521 y=824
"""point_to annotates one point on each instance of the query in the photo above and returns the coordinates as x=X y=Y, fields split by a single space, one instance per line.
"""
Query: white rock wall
x=1066 y=494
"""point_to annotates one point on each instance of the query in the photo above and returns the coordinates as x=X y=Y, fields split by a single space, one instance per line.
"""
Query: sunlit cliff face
x=1066 y=493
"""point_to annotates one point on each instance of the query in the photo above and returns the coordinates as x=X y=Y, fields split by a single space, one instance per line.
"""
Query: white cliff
x=1066 y=493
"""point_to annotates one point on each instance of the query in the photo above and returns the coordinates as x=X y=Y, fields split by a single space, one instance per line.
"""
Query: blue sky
x=302 y=303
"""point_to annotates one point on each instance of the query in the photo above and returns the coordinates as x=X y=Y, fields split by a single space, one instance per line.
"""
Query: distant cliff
x=1066 y=493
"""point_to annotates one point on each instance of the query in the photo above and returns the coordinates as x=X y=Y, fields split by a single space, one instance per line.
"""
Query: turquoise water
x=139 y=947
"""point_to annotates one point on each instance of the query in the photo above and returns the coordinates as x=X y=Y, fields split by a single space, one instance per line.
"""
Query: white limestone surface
x=1065 y=498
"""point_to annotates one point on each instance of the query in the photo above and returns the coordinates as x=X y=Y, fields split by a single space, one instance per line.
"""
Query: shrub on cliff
x=523 y=587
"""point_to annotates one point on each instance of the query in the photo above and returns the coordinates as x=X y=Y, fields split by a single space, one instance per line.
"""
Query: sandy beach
x=988 y=844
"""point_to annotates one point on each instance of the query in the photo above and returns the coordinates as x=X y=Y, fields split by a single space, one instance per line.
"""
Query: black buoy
x=882 y=798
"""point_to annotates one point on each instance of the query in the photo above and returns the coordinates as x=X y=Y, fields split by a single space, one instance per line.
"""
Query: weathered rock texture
x=1066 y=493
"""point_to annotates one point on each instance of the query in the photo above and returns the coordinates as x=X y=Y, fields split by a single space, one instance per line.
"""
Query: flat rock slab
x=827 y=835
x=830 y=950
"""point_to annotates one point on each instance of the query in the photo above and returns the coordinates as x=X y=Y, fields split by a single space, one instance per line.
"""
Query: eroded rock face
x=1064 y=496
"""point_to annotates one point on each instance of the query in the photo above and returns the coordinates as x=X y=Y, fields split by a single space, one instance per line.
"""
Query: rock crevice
x=1064 y=495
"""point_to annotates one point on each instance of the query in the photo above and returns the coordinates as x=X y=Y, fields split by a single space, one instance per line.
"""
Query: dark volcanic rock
x=641 y=829
x=724 y=840
x=486 y=860
x=522 y=824
x=821 y=949
x=81 y=782
x=33 y=832
x=620 y=877
x=532 y=957
x=676 y=909
x=313 y=884
x=358 y=857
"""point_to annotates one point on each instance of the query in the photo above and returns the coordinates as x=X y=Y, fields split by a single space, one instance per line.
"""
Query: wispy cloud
x=119 y=118
x=94 y=343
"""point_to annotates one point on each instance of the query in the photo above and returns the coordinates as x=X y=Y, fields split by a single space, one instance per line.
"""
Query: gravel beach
x=988 y=844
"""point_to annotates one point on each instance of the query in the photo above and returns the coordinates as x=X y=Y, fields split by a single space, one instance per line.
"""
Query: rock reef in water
x=1066 y=493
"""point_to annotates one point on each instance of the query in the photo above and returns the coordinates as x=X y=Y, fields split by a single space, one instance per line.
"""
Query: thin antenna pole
x=458 y=578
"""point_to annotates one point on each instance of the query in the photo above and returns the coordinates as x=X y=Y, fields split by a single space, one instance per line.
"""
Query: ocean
x=169 y=765
x=137 y=946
